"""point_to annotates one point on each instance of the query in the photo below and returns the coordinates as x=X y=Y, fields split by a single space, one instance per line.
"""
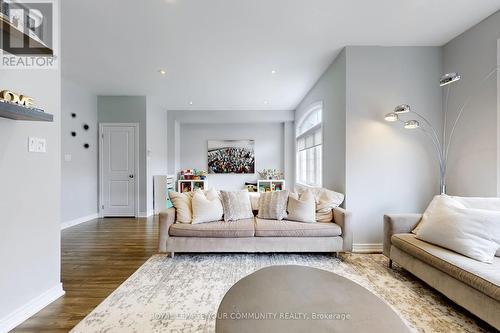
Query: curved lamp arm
x=462 y=108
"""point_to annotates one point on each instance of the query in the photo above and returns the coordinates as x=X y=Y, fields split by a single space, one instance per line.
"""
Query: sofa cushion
x=480 y=276
x=274 y=228
x=272 y=205
x=219 y=229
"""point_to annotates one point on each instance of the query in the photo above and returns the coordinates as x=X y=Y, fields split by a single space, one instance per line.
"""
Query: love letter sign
x=12 y=97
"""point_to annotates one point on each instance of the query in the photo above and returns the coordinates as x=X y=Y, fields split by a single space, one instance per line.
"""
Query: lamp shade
x=402 y=108
x=412 y=124
x=391 y=117
x=449 y=78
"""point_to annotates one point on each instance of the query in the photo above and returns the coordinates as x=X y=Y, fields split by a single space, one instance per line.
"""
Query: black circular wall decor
x=86 y=146
x=86 y=127
x=73 y=133
x=73 y=115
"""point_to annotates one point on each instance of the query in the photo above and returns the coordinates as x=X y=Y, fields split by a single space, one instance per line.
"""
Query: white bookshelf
x=189 y=185
x=271 y=185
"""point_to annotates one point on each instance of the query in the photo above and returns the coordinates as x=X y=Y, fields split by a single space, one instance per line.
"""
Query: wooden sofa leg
x=172 y=254
x=390 y=263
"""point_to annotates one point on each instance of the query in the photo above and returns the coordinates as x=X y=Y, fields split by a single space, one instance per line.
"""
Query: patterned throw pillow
x=236 y=205
x=272 y=205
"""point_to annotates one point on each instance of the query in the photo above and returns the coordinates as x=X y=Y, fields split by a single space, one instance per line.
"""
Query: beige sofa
x=469 y=283
x=256 y=235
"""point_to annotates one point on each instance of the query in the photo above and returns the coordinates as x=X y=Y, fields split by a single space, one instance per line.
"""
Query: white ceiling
x=219 y=53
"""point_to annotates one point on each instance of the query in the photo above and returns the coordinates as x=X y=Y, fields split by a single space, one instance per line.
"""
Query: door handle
x=130 y=176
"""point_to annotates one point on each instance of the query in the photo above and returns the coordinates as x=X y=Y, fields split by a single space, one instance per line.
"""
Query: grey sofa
x=469 y=283
x=256 y=235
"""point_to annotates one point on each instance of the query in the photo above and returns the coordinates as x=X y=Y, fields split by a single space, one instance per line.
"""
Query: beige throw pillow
x=326 y=200
x=474 y=233
x=182 y=205
x=302 y=208
x=236 y=205
x=207 y=207
x=272 y=205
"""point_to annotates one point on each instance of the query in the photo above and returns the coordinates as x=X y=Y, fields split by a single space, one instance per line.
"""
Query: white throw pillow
x=206 y=207
x=182 y=205
x=475 y=233
x=236 y=205
x=302 y=208
x=254 y=200
x=326 y=200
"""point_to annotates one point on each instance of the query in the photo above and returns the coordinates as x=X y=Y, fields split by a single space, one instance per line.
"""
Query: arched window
x=309 y=147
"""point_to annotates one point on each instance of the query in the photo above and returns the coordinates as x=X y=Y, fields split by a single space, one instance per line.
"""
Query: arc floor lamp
x=441 y=144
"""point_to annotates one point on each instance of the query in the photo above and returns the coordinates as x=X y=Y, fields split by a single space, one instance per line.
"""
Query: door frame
x=101 y=138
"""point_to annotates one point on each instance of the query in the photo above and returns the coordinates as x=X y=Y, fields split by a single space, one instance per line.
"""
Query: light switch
x=42 y=146
x=32 y=144
x=67 y=157
x=37 y=145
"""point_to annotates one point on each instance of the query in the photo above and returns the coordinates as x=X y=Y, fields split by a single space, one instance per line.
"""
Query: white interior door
x=118 y=170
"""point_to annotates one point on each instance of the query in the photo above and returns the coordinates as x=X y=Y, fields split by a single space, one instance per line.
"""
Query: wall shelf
x=35 y=43
x=18 y=112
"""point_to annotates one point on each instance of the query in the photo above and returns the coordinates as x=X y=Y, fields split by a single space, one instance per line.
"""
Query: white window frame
x=315 y=107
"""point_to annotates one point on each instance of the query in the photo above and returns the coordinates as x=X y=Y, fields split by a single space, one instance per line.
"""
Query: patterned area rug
x=183 y=294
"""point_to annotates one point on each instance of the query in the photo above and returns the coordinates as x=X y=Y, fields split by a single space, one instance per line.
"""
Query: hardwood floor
x=97 y=257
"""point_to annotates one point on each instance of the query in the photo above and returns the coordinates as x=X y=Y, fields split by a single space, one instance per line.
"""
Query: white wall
x=129 y=109
x=156 y=145
x=389 y=169
x=269 y=148
x=473 y=161
x=331 y=90
x=80 y=175
x=30 y=200
x=229 y=119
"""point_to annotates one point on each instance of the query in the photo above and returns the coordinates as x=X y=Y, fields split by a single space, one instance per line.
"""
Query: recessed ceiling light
x=162 y=71
x=274 y=71
x=190 y=102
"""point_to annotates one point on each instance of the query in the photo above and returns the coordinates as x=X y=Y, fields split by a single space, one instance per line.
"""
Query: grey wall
x=30 y=195
x=389 y=169
x=331 y=90
x=156 y=145
x=269 y=147
x=129 y=109
x=79 y=176
x=473 y=165
x=228 y=119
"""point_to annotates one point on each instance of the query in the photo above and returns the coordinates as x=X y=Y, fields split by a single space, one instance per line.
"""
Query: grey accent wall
x=269 y=147
x=30 y=195
x=129 y=109
x=389 y=169
x=227 y=121
x=331 y=90
x=473 y=160
x=80 y=175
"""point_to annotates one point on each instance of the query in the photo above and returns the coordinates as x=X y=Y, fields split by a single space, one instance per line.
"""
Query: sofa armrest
x=398 y=224
x=344 y=219
x=167 y=218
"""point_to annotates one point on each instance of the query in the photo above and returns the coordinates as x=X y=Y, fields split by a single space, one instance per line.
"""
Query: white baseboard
x=147 y=214
x=83 y=219
x=24 y=312
x=367 y=248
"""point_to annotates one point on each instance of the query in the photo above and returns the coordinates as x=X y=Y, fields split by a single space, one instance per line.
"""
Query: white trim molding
x=79 y=220
x=24 y=312
x=367 y=248
x=146 y=214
